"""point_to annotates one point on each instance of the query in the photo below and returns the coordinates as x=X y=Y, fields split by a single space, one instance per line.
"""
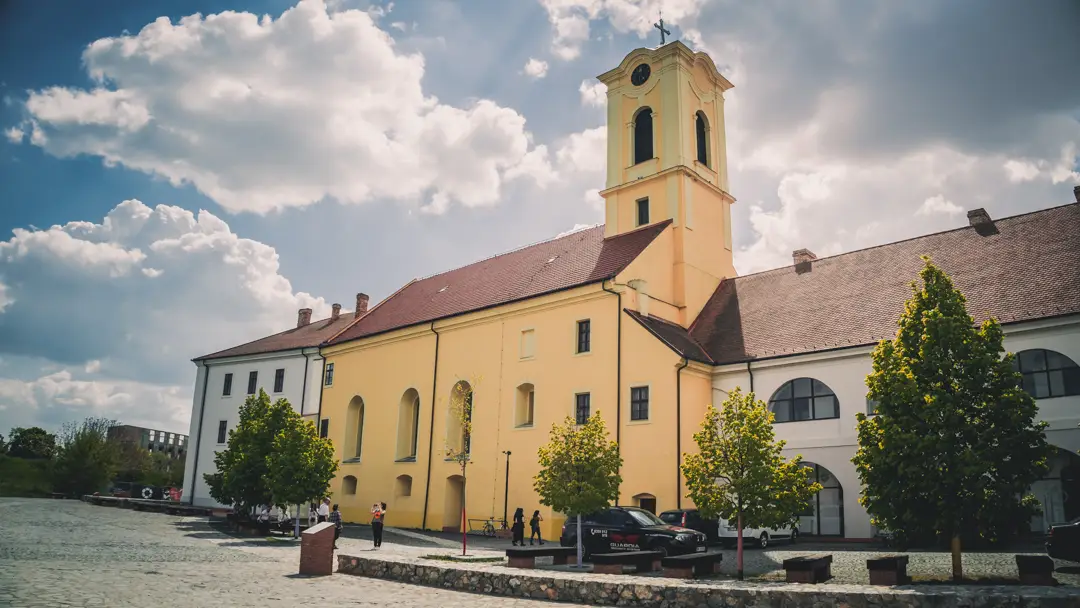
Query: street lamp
x=506 y=488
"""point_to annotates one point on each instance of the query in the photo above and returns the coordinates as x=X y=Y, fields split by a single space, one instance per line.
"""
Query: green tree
x=461 y=407
x=86 y=460
x=739 y=473
x=954 y=446
x=33 y=442
x=3 y=446
x=579 y=470
x=301 y=464
x=243 y=469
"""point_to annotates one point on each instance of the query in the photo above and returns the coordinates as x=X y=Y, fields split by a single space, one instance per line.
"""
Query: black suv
x=630 y=529
x=691 y=518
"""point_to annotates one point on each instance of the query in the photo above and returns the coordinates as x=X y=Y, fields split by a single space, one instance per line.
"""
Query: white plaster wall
x=832 y=443
x=219 y=407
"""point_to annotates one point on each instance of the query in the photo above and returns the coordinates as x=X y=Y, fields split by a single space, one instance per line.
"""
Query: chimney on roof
x=1076 y=193
x=303 y=317
x=361 y=305
x=335 y=312
x=803 y=259
x=981 y=222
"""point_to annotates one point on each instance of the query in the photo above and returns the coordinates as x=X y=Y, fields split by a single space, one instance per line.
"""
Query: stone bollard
x=317 y=550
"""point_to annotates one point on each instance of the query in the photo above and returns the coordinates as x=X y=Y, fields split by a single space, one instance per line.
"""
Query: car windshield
x=671 y=516
x=644 y=518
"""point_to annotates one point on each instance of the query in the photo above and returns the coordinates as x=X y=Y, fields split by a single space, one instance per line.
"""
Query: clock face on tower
x=640 y=74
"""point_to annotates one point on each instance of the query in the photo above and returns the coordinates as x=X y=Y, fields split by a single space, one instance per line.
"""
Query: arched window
x=461 y=399
x=354 y=441
x=348 y=485
x=804 y=399
x=643 y=136
x=408 y=425
x=701 y=129
x=525 y=405
x=1047 y=373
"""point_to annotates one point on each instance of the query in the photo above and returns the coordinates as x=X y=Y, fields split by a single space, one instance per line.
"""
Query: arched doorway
x=646 y=502
x=1058 y=491
x=825 y=517
x=453 y=502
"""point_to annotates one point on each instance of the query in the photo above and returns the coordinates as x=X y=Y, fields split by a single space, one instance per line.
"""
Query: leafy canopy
x=739 y=469
x=32 y=442
x=954 y=446
x=86 y=460
x=579 y=468
x=302 y=463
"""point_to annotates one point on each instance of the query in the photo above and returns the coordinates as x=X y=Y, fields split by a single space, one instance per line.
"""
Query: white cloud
x=939 y=205
x=536 y=68
x=584 y=152
x=576 y=228
x=5 y=298
x=14 y=135
x=92 y=367
x=593 y=93
x=570 y=19
x=261 y=114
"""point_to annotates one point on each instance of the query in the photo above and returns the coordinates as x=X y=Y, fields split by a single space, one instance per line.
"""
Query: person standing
x=519 y=527
x=324 y=510
x=378 y=517
x=534 y=525
x=335 y=518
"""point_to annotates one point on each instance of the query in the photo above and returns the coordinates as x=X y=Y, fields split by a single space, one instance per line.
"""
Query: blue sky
x=296 y=155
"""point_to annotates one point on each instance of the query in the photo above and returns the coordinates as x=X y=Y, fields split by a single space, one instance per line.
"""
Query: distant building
x=173 y=444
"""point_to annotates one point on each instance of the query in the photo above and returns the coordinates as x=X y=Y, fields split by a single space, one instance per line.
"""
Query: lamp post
x=506 y=488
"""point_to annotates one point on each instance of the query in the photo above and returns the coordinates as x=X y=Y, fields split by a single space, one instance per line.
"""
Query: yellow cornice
x=677 y=168
x=676 y=48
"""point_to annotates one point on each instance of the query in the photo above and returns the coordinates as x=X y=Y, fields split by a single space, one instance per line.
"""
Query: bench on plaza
x=525 y=557
x=888 y=570
x=691 y=565
x=808 y=568
x=612 y=563
x=1035 y=569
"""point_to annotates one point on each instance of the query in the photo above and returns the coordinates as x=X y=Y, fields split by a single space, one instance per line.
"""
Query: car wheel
x=763 y=541
x=794 y=536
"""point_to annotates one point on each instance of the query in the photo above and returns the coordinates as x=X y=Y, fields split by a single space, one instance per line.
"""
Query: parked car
x=630 y=529
x=1063 y=541
x=691 y=518
x=756 y=537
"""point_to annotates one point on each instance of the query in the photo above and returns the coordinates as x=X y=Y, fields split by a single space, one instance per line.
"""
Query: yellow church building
x=566 y=327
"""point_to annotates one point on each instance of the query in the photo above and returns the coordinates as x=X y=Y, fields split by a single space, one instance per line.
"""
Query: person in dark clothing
x=534 y=525
x=519 y=527
x=378 y=517
x=335 y=518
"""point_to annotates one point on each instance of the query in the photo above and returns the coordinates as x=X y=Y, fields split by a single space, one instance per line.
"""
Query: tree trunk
x=957 y=564
x=464 y=521
x=579 y=543
x=739 y=549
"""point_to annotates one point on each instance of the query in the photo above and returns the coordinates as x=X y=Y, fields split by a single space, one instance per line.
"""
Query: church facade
x=644 y=321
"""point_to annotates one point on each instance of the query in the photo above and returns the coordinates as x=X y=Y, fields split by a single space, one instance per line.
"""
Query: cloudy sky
x=179 y=176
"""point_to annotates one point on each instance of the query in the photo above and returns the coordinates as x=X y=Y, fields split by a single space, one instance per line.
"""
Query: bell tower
x=667 y=159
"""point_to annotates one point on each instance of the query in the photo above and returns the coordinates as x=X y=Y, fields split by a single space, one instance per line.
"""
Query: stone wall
x=629 y=590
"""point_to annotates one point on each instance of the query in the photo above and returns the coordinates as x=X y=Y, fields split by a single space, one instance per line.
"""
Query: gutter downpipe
x=318 y=412
x=678 y=433
x=431 y=427
x=618 y=373
x=751 y=373
x=303 y=393
x=198 y=438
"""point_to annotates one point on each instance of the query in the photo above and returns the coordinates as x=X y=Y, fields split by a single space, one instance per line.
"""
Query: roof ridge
x=909 y=239
x=508 y=252
x=266 y=337
x=368 y=312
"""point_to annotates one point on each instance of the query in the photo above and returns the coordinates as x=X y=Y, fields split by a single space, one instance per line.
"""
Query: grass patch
x=464 y=560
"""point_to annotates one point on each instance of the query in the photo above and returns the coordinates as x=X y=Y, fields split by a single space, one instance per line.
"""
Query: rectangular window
x=222 y=431
x=528 y=343
x=226 y=390
x=639 y=403
x=324 y=428
x=253 y=382
x=584 y=329
x=329 y=380
x=642 y=211
x=871 y=406
x=582 y=409
x=279 y=380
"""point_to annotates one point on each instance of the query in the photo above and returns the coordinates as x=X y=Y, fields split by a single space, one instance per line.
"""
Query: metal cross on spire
x=663 y=31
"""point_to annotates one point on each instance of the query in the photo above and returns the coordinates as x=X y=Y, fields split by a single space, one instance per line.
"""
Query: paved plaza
x=69 y=553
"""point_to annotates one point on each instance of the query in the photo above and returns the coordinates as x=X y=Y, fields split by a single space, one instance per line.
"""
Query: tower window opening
x=643 y=136
x=701 y=127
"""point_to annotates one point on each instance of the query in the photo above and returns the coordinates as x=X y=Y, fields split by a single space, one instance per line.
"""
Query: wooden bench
x=888 y=570
x=1035 y=569
x=525 y=557
x=691 y=565
x=612 y=563
x=808 y=568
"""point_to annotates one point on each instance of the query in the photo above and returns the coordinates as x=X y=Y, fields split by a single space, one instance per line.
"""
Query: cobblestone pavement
x=69 y=553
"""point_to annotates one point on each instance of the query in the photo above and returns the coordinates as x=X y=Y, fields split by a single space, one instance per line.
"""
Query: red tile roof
x=674 y=336
x=311 y=335
x=1029 y=269
x=570 y=261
